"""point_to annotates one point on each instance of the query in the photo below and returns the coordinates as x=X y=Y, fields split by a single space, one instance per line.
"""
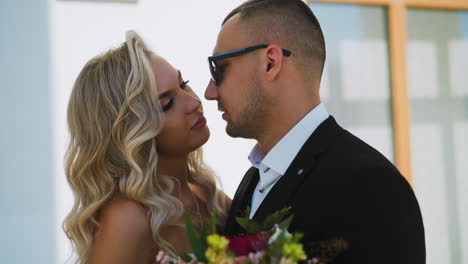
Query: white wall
x=184 y=32
x=26 y=178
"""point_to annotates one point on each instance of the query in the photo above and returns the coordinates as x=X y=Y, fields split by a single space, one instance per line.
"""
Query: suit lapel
x=301 y=168
x=242 y=199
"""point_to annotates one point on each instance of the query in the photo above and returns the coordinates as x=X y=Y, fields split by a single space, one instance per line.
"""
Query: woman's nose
x=194 y=102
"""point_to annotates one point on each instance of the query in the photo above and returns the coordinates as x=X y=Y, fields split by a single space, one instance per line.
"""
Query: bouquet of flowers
x=265 y=243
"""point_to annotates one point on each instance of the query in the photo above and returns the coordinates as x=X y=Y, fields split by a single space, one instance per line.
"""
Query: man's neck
x=285 y=119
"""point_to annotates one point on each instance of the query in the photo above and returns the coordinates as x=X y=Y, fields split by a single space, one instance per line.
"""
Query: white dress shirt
x=273 y=165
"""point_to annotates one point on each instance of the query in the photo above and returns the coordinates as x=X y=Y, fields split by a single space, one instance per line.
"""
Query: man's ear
x=273 y=62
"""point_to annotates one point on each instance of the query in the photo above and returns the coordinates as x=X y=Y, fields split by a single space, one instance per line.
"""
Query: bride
x=134 y=161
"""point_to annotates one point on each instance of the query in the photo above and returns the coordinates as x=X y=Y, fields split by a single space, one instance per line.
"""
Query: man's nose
x=211 y=92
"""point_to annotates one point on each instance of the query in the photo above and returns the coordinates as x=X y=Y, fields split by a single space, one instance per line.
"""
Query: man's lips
x=201 y=122
x=223 y=111
x=221 y=108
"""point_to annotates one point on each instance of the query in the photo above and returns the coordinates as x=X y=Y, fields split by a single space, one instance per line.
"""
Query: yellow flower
x=210 y=254
x=284 y=260
x=217 y=242
x=216 y=252
x=294 y=251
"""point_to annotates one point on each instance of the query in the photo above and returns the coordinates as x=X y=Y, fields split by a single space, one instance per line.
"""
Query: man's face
x=239 y=94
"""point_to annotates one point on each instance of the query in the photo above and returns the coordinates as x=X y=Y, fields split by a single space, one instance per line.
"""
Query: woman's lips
x=200 y=123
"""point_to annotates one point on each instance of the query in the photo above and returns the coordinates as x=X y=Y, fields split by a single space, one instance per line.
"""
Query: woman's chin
x=202 y=138
x=207 y=134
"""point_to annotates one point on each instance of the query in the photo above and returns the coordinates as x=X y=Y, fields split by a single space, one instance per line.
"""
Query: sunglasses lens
x=214 y=73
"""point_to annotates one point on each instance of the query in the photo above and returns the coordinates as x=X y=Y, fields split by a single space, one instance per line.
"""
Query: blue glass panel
x=356 y=83
x=438 y=89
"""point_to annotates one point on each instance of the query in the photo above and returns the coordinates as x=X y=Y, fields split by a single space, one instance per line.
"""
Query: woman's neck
x=177 y=167
x=174 y=166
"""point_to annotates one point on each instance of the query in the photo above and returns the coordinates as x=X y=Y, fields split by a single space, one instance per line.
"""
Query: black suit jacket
x=340 y=187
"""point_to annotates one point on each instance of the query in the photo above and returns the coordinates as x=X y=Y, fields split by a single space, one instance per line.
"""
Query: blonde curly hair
x=114 y=116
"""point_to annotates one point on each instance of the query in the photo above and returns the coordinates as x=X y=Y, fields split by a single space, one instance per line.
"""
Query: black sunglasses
x=217 y=73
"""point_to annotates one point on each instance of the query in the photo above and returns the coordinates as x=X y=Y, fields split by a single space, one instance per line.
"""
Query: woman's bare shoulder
x=124 y=234
x=124 y=213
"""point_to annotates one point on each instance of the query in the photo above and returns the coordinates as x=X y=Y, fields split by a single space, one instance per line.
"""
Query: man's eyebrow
x=215 y=53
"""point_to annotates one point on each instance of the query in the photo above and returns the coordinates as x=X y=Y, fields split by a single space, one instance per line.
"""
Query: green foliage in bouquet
x=285 y=246
x=198 y=242
x=251 y=227
x=271 y=242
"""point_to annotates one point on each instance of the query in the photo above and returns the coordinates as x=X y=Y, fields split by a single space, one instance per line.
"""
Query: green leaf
x=250 y=226
x=286 y=222
x=275 y=218
x=197 y=242
x=212 y=222
x=186 y=258
x=297 y=237
x=203 y=236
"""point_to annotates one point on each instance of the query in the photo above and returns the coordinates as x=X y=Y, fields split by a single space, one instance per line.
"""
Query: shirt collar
x=283 y=153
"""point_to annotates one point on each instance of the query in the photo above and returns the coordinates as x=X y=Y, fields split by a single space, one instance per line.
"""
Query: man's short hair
x=289 y=23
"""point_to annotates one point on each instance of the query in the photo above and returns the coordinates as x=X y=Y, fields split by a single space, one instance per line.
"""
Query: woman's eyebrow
x=168 y=92
x=164 y=94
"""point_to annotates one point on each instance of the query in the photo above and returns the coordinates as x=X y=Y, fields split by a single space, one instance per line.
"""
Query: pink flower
x=240 y=260
x=243 y=245
x=256 y=257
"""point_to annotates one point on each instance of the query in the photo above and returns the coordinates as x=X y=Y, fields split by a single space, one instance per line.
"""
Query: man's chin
x=235 y=132
x=232 y=131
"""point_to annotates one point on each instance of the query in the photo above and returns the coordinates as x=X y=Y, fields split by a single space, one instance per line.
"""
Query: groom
x=266 y=72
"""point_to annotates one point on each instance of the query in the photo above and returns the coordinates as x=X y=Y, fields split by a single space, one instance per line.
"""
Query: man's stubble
x=251 y=120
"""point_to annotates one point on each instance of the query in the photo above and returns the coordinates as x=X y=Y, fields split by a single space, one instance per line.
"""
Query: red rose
x=243 y=245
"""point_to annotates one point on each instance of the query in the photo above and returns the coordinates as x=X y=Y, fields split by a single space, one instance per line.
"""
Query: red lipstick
x=200 y=123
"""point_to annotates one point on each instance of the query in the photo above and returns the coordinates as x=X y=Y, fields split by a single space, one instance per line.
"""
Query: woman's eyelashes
x=168 y=105
x=165 y=107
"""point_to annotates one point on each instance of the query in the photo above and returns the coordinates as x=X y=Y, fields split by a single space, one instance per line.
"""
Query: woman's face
x=184 y=127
